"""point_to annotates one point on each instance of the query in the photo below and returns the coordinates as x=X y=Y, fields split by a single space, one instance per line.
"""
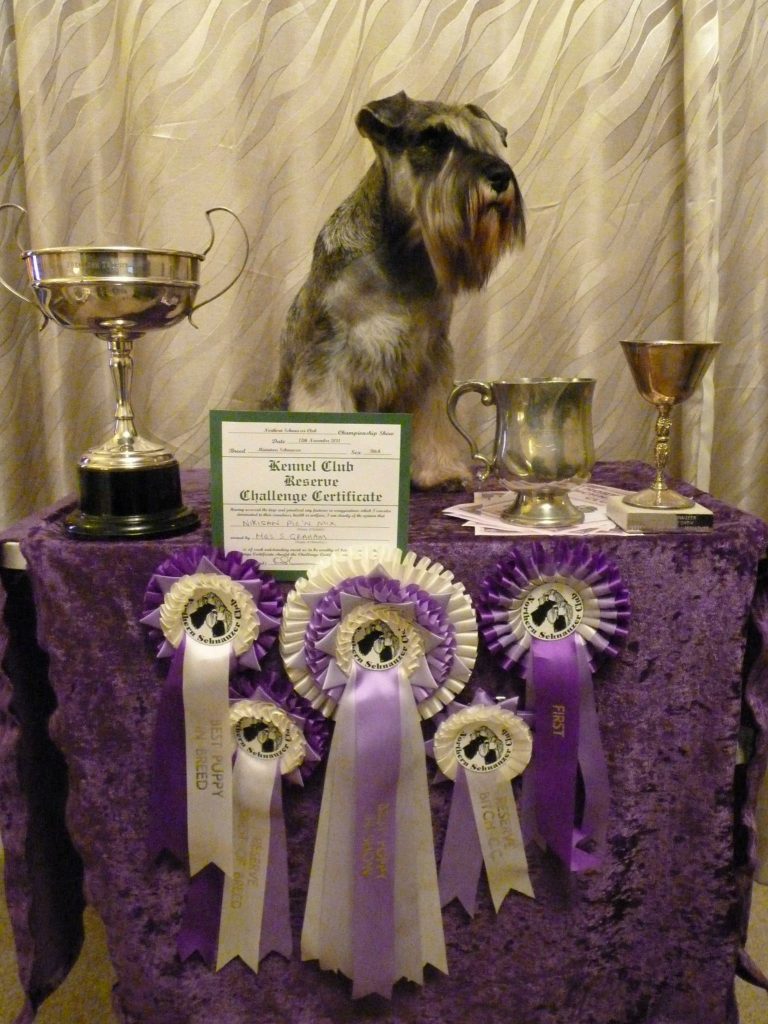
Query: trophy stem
x=658 y=495
x=661 y=447
x=121 y=368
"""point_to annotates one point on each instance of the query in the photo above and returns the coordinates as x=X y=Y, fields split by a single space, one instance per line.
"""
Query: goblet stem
x=121 y=368
x=661 y=448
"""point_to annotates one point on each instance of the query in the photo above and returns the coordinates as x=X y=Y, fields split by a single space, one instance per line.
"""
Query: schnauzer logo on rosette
x=552 y=614
x=379 y=640
x=481 y=748
x=216 y=613
x=277 y=736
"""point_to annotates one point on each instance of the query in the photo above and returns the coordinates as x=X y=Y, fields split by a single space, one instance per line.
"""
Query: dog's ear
x=379 y=119
x=479 y=112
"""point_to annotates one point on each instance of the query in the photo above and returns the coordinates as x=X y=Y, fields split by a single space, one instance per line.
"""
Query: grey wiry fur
x=368 y=331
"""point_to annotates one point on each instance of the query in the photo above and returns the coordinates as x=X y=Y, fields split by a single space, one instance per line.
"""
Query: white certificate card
x=288 y=489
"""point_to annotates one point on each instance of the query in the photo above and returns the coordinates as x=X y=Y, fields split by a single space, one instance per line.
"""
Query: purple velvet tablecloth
x=654 y=937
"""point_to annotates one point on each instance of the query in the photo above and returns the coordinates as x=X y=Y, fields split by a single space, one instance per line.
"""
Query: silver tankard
x=543 y=446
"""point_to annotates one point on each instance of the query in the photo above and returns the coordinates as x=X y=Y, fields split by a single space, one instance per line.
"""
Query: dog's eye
x=435 y=138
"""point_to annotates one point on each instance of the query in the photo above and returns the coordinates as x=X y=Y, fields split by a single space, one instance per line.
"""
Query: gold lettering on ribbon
x=210 y=770
x=248 y=854
x=498 y=823
x=558 y=720
x=373 y=850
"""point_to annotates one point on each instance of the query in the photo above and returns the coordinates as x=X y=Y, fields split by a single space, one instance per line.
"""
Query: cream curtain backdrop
x=637 y=131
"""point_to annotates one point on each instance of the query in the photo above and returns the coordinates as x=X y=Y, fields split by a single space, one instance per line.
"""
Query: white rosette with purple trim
x=277 y=737
x=269 y=744
x=211 y=623
x=378 y=640
x=552 y=614
x=481 y=748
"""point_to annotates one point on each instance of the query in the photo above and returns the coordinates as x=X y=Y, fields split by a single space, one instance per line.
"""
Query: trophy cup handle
x=486 y=393
x=3 y=282
x=239 y=274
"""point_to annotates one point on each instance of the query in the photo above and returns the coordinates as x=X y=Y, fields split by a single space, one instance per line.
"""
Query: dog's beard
x=466 y=227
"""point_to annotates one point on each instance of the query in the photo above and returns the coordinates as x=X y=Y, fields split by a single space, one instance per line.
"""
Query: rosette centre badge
x=377 y=646
x=482 y=749
x=266 y=733
x=211 y=619
x=552 y=610
x=212 y=610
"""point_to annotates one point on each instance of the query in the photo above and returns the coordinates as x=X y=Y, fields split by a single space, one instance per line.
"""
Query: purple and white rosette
x=276 y=736
x=481 y=748
x=552 y=614
x=379 y=640
x=216 y=614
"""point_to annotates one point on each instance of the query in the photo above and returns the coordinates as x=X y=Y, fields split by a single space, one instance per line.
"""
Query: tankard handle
x=486 y=394
x=239 y=274
x=3 y=282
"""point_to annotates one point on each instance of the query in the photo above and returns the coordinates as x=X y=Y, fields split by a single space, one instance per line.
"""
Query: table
x=655 y=936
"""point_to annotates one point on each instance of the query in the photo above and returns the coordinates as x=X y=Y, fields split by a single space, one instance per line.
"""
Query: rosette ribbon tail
x=200 y=925
x=462 y=858
x=594 y=773
x=567 y=737
x=501 y=840
x=377 y=770
x=254 y=907
x=168 y=793
x=208 y=755
x=373 y=873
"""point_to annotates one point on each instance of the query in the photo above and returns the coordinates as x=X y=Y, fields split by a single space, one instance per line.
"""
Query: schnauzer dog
x=368 y=331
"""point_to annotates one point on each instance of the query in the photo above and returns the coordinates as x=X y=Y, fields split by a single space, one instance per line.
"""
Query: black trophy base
x=125 y=503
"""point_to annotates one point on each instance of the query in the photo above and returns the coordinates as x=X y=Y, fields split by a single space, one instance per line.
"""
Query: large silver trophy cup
x=130 y=485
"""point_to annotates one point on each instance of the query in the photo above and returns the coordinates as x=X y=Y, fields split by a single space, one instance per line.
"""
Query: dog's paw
x=442 y=478
x=453 y=484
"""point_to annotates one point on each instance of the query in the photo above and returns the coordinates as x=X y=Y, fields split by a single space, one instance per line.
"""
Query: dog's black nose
x=498 y=174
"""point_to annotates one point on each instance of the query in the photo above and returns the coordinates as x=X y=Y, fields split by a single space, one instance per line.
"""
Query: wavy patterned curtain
x=637 y=131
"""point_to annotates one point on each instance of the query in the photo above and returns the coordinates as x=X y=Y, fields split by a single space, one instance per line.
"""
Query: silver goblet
x=665 y=373
x=129 y=485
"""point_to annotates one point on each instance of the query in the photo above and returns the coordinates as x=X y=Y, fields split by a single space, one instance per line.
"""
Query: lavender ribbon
x=168 y=793
x=375 y=696
x=200 y=925
x=462 y=859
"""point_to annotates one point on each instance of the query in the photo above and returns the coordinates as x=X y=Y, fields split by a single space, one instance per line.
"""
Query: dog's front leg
x=436 y=457
x=325 y=395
